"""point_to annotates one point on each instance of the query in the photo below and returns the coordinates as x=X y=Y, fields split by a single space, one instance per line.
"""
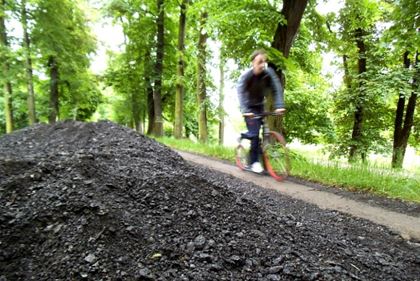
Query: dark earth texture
x=97 y=201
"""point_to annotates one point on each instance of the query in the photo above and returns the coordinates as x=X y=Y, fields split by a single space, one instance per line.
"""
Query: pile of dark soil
x=97 y=201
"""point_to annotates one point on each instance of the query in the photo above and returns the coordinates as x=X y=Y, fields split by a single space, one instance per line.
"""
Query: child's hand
x=280 y=111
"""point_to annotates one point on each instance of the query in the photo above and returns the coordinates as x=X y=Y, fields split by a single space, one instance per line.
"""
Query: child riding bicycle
x=251 y=88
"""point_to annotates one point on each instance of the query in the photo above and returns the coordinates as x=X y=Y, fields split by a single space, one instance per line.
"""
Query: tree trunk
x=8 y=108
x=285 y=34
x=135 y=107
x=29 y=76
x=179 y=98
x=221 y=100
x=201 y=81
x=402 y=130
x=7 y=85
x=292 y=12
x=150 y=110
x=144 y=118
x=54 y=76
x=346 y=78
x=149 y=93
x=357 y=133
x=157 y=93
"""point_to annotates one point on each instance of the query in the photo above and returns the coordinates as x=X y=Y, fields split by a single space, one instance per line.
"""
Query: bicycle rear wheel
x=276 y=156
x=242 y=155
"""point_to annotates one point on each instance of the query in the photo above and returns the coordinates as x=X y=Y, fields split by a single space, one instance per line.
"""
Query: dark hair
x=257 y=53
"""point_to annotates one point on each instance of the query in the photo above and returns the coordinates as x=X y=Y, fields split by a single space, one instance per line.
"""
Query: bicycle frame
x=265 y=130
x=270 y=139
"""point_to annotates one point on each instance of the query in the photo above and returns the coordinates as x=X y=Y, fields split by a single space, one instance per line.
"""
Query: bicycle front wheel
x=276 y=156
x=242 y=155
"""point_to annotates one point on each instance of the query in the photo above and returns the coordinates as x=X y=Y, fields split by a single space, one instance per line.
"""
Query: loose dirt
x=97 y=201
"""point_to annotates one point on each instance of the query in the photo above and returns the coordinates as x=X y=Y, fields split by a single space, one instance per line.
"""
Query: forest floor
x=97 y=201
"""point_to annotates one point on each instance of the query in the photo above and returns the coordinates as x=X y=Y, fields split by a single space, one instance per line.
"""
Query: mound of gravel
x=97 y=201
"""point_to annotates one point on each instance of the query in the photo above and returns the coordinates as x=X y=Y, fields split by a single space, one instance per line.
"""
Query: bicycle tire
x=276 y=156
x=242 y=155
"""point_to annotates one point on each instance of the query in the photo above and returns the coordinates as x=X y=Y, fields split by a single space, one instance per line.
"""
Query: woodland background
x=160 y=82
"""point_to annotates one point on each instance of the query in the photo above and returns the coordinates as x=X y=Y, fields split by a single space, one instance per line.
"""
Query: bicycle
x=274 y=151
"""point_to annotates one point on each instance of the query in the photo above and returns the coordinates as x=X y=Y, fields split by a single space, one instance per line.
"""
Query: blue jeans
x=254 y=125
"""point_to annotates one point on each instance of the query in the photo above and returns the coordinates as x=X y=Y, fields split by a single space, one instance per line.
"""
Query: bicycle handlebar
x=265 y=114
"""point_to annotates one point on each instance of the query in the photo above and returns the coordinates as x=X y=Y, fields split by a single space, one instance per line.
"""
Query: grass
x=216 y=151
x=366 y=178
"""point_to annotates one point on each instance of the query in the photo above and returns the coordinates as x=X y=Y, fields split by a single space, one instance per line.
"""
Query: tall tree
x=54 y=92
x=28 y=63
x=221 y=110
x=131 y=77
x=403 y=126
x=357 y=126
x=135 y=85
x=157 y=91
x=404 y=34
x=356 y=136
x=149 y=28
x=149 y=93
x=7 y=85
x=284 y=35
x=62 y=36
x=201 y=80
x=288 y=27
x=179 y=98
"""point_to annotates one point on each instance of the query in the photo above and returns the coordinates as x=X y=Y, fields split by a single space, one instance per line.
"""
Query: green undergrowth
x=356 y=177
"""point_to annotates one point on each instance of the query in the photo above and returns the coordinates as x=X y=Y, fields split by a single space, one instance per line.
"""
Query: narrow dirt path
x=407 y=226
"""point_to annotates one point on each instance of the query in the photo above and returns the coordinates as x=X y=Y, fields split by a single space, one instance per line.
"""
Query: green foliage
x=243 y=26
x=119 y=77
x=378 y=113
x=399 y=38
x=19 y=111
x=360 y=21
x=358 y=14
x=304 y=53
x=132 y=72
x=61 y=31
x=316 y=112
x=81 y=98
x=405 y=18
x=308 y=103
x=319 y=28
